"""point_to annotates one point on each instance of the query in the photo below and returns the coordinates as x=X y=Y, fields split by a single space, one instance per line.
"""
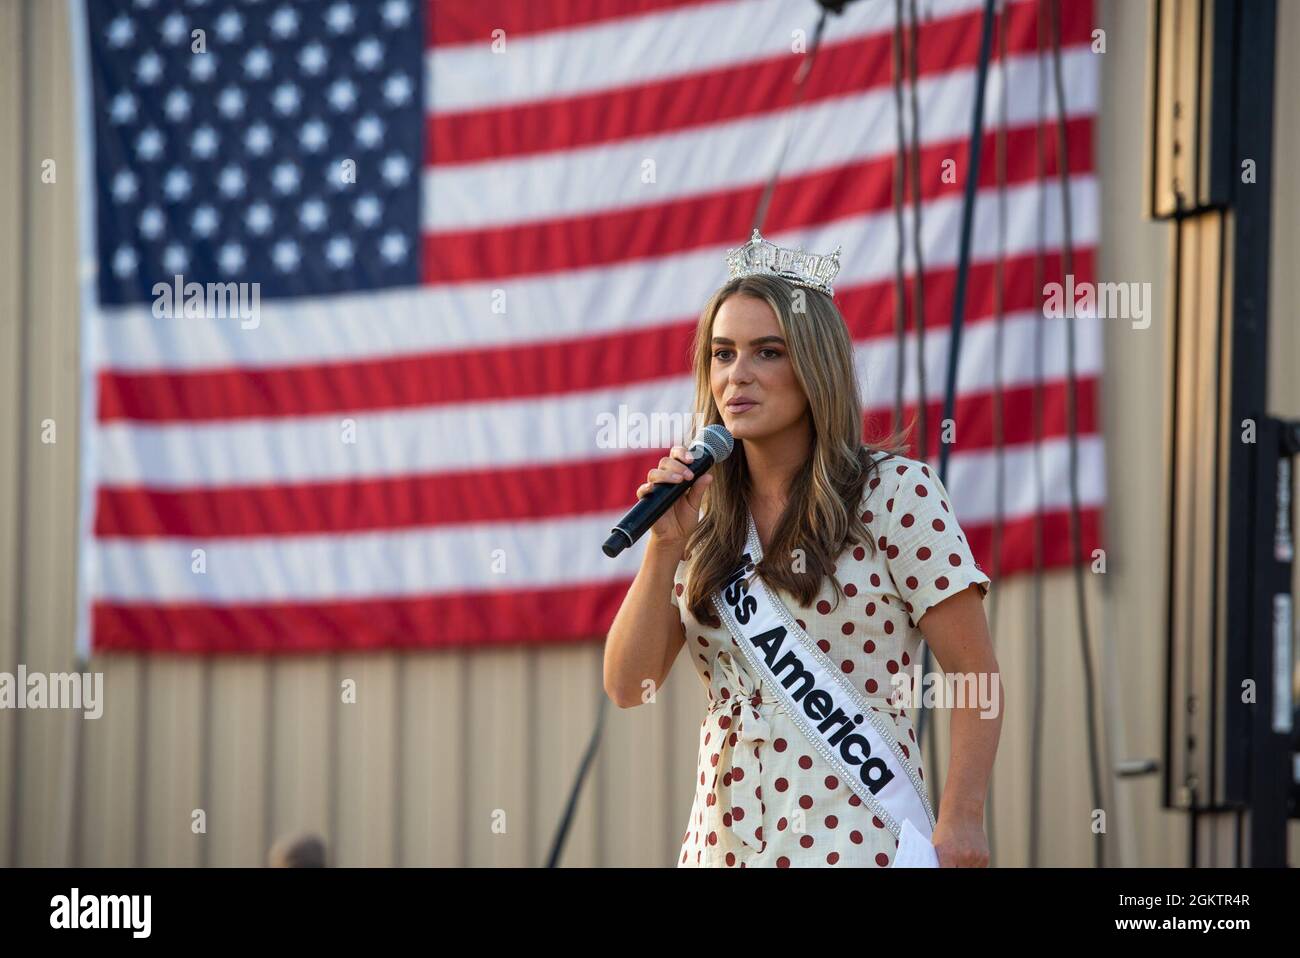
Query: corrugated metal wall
x=438 y=747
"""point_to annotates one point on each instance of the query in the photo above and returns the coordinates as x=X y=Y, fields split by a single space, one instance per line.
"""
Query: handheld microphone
x=713 y=444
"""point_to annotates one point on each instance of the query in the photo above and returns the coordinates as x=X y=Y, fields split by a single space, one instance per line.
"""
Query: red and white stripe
x=560 y=286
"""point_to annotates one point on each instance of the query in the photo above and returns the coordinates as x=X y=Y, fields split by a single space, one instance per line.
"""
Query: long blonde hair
x=821 y=514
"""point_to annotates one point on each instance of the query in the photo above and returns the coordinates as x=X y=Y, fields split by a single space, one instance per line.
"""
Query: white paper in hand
x=914 y=849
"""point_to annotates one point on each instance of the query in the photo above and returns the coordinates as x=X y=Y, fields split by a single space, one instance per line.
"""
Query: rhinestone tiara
x=759 y=257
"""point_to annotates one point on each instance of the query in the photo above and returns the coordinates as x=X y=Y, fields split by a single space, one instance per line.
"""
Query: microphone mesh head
x=717 y=440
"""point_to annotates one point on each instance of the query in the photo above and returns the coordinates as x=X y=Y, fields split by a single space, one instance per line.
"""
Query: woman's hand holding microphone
x=674 y=527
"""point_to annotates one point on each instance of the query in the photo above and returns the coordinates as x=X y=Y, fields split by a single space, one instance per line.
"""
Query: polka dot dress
x=763 y=796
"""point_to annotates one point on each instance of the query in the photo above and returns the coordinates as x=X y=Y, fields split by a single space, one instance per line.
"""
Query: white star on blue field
x=288 y=152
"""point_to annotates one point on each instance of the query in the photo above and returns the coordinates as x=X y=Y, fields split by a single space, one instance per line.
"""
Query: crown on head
x=758 y=257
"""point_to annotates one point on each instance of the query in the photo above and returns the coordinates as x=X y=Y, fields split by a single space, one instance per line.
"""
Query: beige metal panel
x=686 y=694
x=366 y=775
x=12 y=258
x=1064 y=787
x=1216 y=837
x=501 y=699
x=109 y=768
x=1010 y=796
x=236 y=772
x=1173 y=82
x=1188 y=665
x=570 y=686
x=50 y=376
x=432 y=758
x=1070 y=810
x=995 y=611
x=1204 y=119
x=44 y=818
x=1160 y=130
x=1204 y=324
x=1010 y=623
x=171 y=779
x=305 y=707
x=633 y=786
x=1133 y=407
x=1065 y=837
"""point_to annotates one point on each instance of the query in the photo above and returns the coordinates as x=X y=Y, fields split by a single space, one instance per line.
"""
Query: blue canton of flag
x=282 y=145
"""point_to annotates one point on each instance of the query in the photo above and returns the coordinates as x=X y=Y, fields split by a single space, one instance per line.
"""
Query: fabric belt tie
x=736 y=801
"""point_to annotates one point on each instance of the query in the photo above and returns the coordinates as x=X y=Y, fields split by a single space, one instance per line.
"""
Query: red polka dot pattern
x=750 y=748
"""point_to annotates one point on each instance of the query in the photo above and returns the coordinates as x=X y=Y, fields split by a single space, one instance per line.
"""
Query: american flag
x=481 y=231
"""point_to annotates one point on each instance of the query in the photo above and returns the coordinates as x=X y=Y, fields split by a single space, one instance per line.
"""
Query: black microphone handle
x=654 y=504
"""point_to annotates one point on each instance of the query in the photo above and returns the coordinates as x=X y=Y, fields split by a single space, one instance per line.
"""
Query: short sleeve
x=925 y=548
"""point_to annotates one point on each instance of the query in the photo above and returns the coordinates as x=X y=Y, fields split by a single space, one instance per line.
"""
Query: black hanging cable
x=963 y=261
x=1177 y=257
x=900 y=250
x=931 y=745
x=805 y=67
x=760 y=214
x=918 y=276
x=1076 y=534
x=588 y=757
x=999 y=323
x=1036 y=595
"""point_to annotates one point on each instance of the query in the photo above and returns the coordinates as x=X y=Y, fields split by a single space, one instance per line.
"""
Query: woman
x=855 y=545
